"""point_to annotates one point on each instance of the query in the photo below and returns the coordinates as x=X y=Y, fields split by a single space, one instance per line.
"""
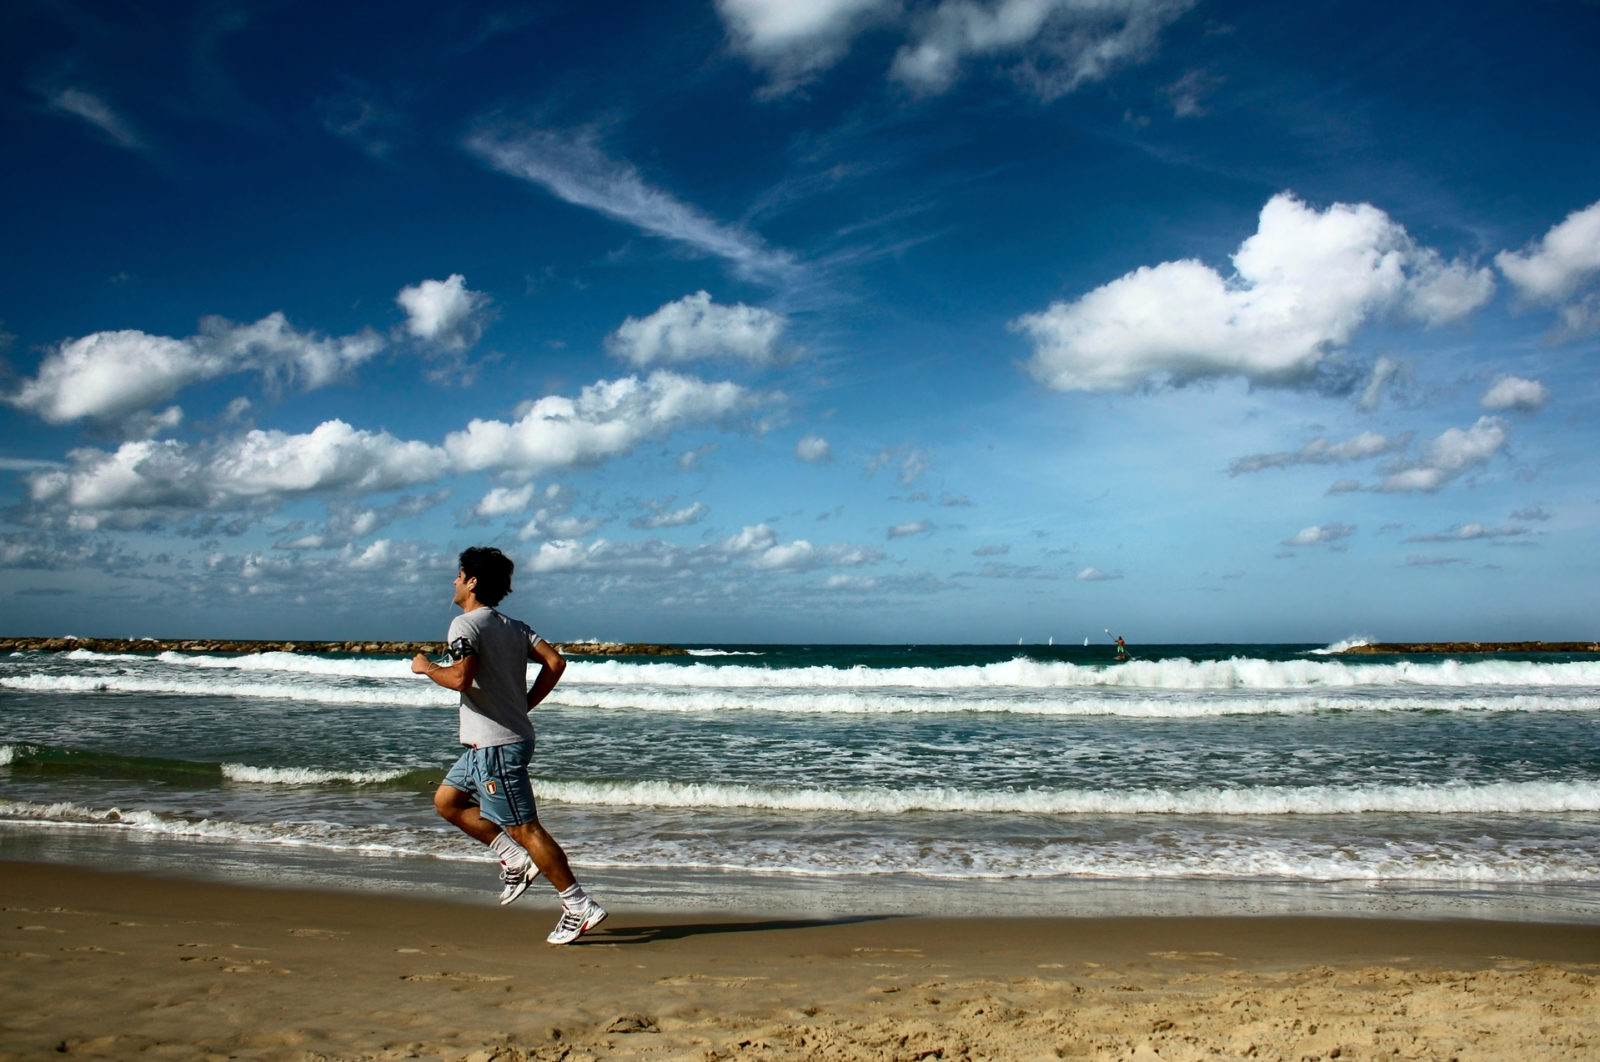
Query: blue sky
x=852 y=320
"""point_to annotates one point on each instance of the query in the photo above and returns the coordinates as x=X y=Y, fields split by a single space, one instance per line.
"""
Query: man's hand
x=420 y=664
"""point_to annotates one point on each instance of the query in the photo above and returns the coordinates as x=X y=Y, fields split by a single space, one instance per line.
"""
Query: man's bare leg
x=547 y=855
x=457 y=808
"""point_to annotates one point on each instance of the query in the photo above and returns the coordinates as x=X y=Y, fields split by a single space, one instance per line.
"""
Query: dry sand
x=117 y=966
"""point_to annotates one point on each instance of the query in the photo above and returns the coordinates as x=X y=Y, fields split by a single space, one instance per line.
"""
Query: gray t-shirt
x=494 y=709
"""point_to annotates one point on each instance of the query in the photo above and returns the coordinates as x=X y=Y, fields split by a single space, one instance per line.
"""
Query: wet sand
x=123 y=966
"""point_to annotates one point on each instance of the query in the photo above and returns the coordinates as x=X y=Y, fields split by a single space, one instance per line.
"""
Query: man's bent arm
x=552 y=664
x=458 y=676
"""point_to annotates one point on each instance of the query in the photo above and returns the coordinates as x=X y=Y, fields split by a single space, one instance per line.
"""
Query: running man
x=487 y=794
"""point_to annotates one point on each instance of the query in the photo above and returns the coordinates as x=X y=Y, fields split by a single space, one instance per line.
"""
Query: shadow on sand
x=652 y=934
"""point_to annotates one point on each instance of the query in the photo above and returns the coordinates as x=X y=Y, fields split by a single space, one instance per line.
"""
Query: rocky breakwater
x=372 y=648
x=1475 y=647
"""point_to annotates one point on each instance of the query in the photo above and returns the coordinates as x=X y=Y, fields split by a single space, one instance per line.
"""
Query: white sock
x=575 y=898
x=510 y=852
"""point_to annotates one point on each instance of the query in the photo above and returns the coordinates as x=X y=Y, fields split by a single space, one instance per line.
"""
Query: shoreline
x=112 y=965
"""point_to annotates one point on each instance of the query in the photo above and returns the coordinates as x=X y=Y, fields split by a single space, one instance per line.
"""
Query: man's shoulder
x=488 y=618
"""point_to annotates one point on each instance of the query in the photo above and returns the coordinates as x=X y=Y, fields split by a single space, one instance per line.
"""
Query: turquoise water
x=962 y=771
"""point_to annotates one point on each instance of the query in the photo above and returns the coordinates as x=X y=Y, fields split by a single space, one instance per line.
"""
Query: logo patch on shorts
x=492 y=787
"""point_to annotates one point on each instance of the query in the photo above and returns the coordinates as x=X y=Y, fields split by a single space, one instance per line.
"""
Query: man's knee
x=450 y=802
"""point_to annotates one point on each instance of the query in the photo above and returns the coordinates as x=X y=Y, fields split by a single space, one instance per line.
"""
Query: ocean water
x=935 y=778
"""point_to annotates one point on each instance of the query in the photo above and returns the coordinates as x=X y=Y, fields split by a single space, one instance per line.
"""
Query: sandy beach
x=123 y=966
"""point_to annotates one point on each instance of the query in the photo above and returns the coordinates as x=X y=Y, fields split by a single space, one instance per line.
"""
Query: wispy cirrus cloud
x=98 y=113
x=571 y=165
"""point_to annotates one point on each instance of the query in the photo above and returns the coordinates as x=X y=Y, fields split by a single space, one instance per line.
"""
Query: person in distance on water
x=487 y=794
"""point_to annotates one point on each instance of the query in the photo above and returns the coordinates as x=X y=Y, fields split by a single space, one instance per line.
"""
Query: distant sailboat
x=1086 y=641
x=1052 y=639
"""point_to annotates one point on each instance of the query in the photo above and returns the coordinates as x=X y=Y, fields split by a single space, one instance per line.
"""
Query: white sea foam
x=412 y=694
x=1019 y=673
x=298 y=663
x=324 y=835
x=1492 y=798
x=238 y=772
x=723 y=652
x=1179 y=853
x=1339 y=647
x=1180 y=673
x=1064 y=704
x=699 y=688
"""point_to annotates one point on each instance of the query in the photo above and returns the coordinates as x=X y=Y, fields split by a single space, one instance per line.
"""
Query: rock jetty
x=1476 y=647
x=221 y=645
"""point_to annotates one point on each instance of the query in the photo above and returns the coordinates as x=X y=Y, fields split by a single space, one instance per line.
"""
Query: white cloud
x=445 y=313
x=695 y=327
x=752 y=539
x=1302 y=286
x=608 y=419
x=813 y=449
x=572 y=167
x=1441 y=292
x=1320 y=451
x=559 y=527
x=913 y=465
x=1555 y=267
x=1062 y=44
x=1445 y=458
x=111 y=375
x=503 y=501
x=377 y=557
x=98 y=113
x=1470 y=533
x=793 y=41
x=691 y=458
x=859 y=583
x=756 y=547
x=760 y=546
x=1320 y=534
x=1052 y=47
x=1513 y=392
x=1384 y=372
x=1560 y=270
x=660 y=517
x=349 y=521
x=144 y=480
x=1186 y=94
x=914 y=527
x=1095 y=575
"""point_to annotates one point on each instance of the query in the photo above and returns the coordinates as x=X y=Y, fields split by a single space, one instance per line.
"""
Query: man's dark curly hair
x=493 y=571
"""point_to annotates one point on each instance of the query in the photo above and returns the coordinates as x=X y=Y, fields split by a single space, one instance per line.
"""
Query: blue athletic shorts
x=497 y=778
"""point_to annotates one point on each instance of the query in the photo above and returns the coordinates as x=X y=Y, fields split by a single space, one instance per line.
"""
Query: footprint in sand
x=453 y=975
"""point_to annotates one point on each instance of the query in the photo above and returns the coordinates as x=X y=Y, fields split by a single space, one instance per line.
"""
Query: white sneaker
x=574 y=924
x=517 y=880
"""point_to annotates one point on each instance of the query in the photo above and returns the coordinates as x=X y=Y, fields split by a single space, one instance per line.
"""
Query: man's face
x=463 y=587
